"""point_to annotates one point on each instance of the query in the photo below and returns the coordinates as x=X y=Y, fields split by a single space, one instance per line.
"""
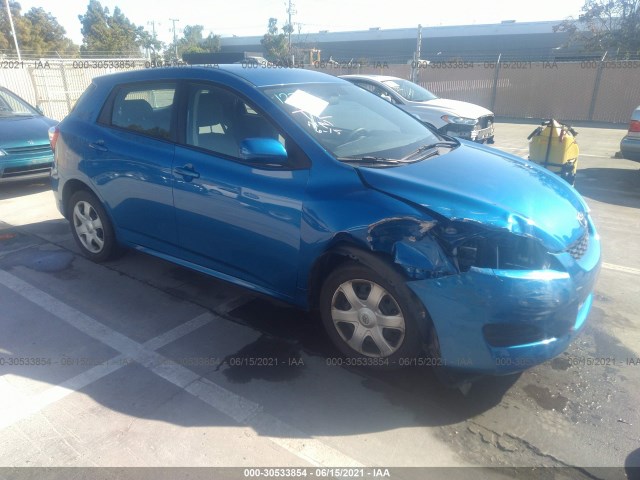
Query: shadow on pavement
x=632 y=465
x=25 y=187
x=360 y=400
x=615 y=186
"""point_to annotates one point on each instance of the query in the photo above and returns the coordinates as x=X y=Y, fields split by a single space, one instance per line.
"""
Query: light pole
x=13 y=30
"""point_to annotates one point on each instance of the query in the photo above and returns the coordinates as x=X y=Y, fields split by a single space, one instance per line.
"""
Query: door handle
x=187 y=171
x=99 y=145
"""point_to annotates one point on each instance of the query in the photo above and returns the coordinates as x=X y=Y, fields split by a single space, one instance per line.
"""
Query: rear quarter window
x=146 y=109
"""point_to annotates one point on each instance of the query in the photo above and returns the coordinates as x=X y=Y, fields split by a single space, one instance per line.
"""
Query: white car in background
x=449 y=117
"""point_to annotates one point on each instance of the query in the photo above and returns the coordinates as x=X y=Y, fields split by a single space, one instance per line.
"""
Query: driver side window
x=219 y=120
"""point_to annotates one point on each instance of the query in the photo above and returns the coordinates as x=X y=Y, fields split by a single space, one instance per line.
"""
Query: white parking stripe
x=231 y=304
x=240 y=409
x=620 y=268
x=178 y=332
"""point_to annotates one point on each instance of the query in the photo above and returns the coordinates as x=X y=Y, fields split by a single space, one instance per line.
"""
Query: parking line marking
x=233 y=303
x=179 y=331
x=242 y=410
x=620 y=268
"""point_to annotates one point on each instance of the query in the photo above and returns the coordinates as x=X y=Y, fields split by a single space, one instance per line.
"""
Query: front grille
x=31 y=149
x=11 y=172
x=578 y=248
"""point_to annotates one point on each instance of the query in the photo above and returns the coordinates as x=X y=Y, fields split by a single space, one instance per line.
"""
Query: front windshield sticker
x=307 y=102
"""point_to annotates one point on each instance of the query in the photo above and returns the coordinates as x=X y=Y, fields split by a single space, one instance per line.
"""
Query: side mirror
x=263 y=150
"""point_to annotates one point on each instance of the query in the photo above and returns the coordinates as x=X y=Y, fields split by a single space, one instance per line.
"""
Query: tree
x=6 y=38
x=192 y=41
x=151 y=45
x=274 y=43
x=46 y=36
x=39 y=33
x=606 y=25
x=106 y=34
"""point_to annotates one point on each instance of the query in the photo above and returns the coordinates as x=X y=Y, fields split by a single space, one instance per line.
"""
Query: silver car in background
x=630 y=144
x=449 y=117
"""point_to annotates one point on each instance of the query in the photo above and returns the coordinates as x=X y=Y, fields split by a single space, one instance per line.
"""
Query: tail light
x=634 y=126
x=54 y=133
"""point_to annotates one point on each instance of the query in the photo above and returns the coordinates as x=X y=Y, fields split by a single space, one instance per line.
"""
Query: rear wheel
x=371 y=314
x=91 y=227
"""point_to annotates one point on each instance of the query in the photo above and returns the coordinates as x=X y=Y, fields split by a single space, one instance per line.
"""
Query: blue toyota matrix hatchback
x=413 y=248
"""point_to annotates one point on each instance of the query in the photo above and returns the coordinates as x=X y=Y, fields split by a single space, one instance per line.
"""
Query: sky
x=250 y=17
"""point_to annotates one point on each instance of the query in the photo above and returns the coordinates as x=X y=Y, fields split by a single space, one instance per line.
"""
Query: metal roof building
x=514 y=40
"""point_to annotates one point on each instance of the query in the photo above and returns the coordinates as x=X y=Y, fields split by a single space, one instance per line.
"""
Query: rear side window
x=375 y=89
x=145 y=109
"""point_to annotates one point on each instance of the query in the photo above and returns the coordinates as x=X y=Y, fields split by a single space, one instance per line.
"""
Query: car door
x=130 y=160
x=239 y=218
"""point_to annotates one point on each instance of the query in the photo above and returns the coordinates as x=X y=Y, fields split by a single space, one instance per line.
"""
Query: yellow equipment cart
x=553 y=146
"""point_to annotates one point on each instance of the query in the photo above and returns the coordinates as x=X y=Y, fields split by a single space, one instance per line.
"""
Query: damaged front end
x=498 y=299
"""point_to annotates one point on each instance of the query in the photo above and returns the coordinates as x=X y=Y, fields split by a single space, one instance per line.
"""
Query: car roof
x=259 y=77
x=377 y=78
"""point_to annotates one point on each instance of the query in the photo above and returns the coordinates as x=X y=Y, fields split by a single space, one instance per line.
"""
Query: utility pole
x=13 y=29
x=175 y=40
x=291 y=11
x=153 y=30
x=419 y=44
x=416 y=60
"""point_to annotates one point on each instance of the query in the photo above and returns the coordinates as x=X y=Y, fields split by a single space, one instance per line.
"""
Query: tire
x=381 y=296
x=91 y=227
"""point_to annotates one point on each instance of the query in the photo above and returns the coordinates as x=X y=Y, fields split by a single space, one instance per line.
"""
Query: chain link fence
x=588 y=90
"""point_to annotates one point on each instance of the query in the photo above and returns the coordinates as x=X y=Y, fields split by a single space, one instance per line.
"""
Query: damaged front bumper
x=491 y=321
x=481 y=132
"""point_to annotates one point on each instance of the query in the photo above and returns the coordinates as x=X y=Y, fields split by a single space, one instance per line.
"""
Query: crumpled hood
x=452 y=107
x=493 y=188
x=17 y=131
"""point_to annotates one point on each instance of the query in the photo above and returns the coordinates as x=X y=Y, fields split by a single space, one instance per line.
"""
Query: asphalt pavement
x=141 y=363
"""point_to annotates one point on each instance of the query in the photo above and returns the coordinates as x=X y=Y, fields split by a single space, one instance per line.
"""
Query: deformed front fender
x=411 y=246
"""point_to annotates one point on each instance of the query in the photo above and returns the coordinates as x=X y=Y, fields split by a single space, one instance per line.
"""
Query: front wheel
x=369 y=314
x=91 y=227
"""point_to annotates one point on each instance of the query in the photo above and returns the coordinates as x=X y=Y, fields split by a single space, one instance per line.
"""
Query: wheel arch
x=74 y=185
x=345 y=252
x=70 y=187
x=345 y=248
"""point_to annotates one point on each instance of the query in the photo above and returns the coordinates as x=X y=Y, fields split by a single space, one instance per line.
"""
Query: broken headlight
x=489 y=249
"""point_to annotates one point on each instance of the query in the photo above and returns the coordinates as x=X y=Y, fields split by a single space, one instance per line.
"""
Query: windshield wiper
x=431 y=146
x=369 y=159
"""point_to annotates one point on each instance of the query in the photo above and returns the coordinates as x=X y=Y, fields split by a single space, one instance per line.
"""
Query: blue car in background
x=25 y=152
x=414 y=248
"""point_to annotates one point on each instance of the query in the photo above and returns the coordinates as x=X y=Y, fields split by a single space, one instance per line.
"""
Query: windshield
x=10 y=106
x=409 y=90
x=349 y=122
